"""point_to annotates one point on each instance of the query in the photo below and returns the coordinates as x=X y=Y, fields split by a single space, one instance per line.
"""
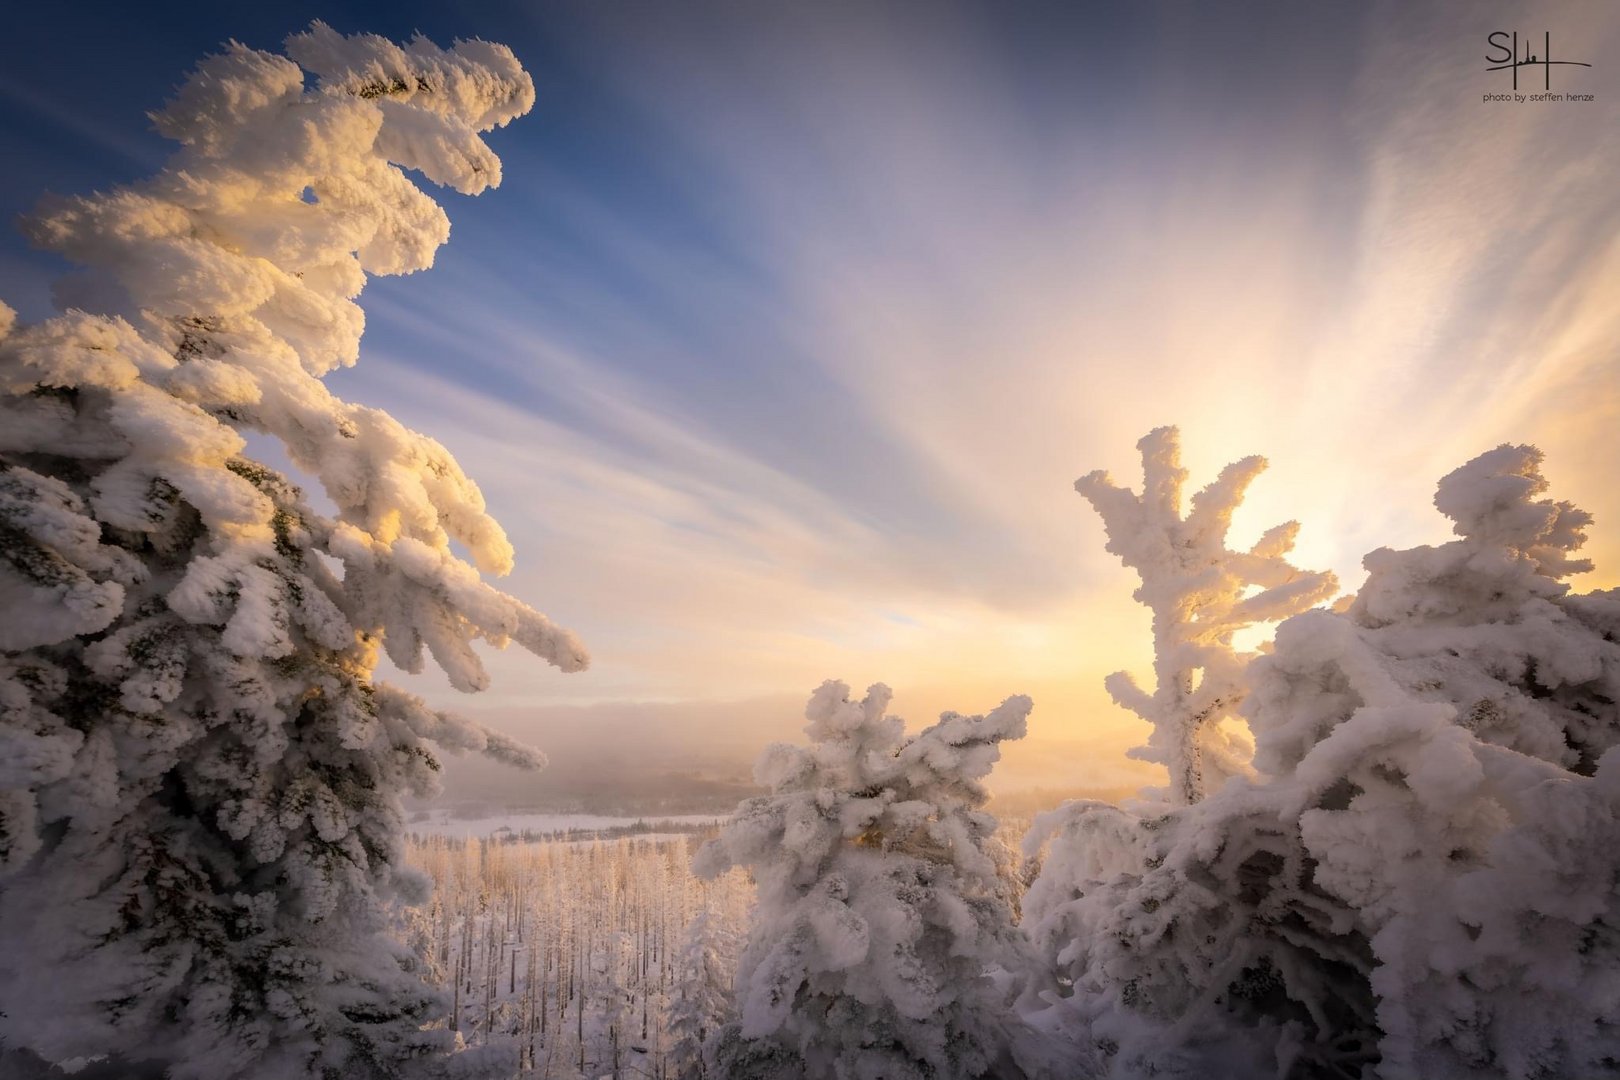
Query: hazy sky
x=783 y=342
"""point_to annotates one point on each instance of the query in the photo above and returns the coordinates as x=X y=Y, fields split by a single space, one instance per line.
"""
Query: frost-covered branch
x=1201 y=594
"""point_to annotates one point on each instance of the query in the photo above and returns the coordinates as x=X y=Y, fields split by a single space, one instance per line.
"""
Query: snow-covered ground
x=444 y=823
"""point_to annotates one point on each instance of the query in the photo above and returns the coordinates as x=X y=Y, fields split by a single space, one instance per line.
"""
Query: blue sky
x=780 y=346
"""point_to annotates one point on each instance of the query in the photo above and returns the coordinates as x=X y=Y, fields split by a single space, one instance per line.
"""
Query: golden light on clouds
x=944 y=316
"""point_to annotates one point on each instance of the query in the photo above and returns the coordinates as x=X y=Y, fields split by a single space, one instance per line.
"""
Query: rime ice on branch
x=199 y=781
x=1450 y=745
x=884 y=899
x=1198 y=591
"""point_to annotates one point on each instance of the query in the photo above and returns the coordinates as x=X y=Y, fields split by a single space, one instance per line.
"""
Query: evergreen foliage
x=199 y=777
x=885 y=899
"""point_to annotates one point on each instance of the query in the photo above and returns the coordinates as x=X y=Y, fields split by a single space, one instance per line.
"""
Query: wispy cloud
x=1368 y=300
x=786 y=371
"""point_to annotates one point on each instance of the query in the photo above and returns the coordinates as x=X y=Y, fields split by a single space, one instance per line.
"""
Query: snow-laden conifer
x=1418 y=882
x=700 y=1001
x=1449 y=745
x=1195 y=941
x=884 y=899
x=199 y=778
x=1200 y=594
x=1179 y=936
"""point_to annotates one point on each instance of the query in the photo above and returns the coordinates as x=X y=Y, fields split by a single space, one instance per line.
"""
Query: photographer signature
x=1511 y=57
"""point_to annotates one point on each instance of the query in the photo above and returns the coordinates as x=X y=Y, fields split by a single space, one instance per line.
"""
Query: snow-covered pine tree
x=1189 y=937
x=1420 y=881
x=700 y=1001
x=1200 y=596
x=1195 y=941
x=609 y=987
x=1448 y=745
x=199 y=778
x=884 y=900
